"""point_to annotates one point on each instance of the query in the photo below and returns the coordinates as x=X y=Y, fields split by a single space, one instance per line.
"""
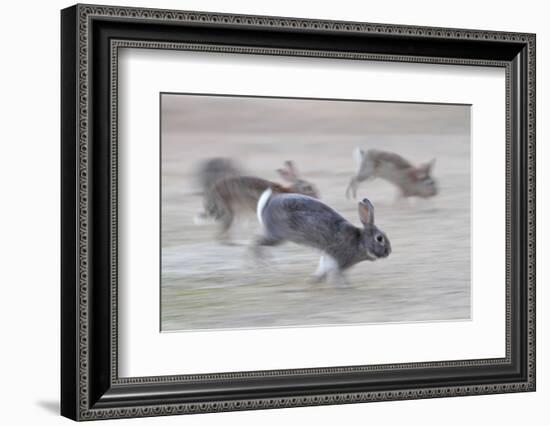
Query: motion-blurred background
x=208 y=285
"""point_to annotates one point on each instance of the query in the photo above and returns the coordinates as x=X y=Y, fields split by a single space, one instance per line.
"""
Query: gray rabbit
x=412 y=181
x=307 y=221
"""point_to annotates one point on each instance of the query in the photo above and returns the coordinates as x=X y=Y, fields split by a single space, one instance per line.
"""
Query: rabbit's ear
x=289 y=173
x=366 y=212
x=291 y=167
x=428 y=166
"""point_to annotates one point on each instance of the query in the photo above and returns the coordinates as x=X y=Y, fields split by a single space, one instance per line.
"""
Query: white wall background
x=29 y=225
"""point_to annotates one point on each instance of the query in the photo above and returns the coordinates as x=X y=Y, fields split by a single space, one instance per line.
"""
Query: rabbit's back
x=379 y=157
x=308 y=221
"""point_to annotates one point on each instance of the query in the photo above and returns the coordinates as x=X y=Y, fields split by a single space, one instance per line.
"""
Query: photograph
x=303 y=212
x=267 y=209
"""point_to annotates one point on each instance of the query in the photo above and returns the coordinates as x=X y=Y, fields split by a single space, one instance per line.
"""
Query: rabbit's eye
x=379 y=238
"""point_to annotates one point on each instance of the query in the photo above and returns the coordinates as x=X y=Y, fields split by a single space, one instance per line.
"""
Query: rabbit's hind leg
x=226 y=220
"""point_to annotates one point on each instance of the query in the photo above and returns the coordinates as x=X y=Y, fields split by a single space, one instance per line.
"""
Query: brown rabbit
x=412 y=181
x=240 y=194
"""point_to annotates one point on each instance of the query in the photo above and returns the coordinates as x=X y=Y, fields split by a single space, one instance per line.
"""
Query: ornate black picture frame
x=90 y=385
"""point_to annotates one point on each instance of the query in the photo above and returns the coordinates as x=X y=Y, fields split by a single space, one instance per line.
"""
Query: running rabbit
x=234 y=195
x=412 y=181
x=306 y=221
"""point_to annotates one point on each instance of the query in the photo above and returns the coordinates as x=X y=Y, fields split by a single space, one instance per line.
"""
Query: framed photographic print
x=263 y=212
